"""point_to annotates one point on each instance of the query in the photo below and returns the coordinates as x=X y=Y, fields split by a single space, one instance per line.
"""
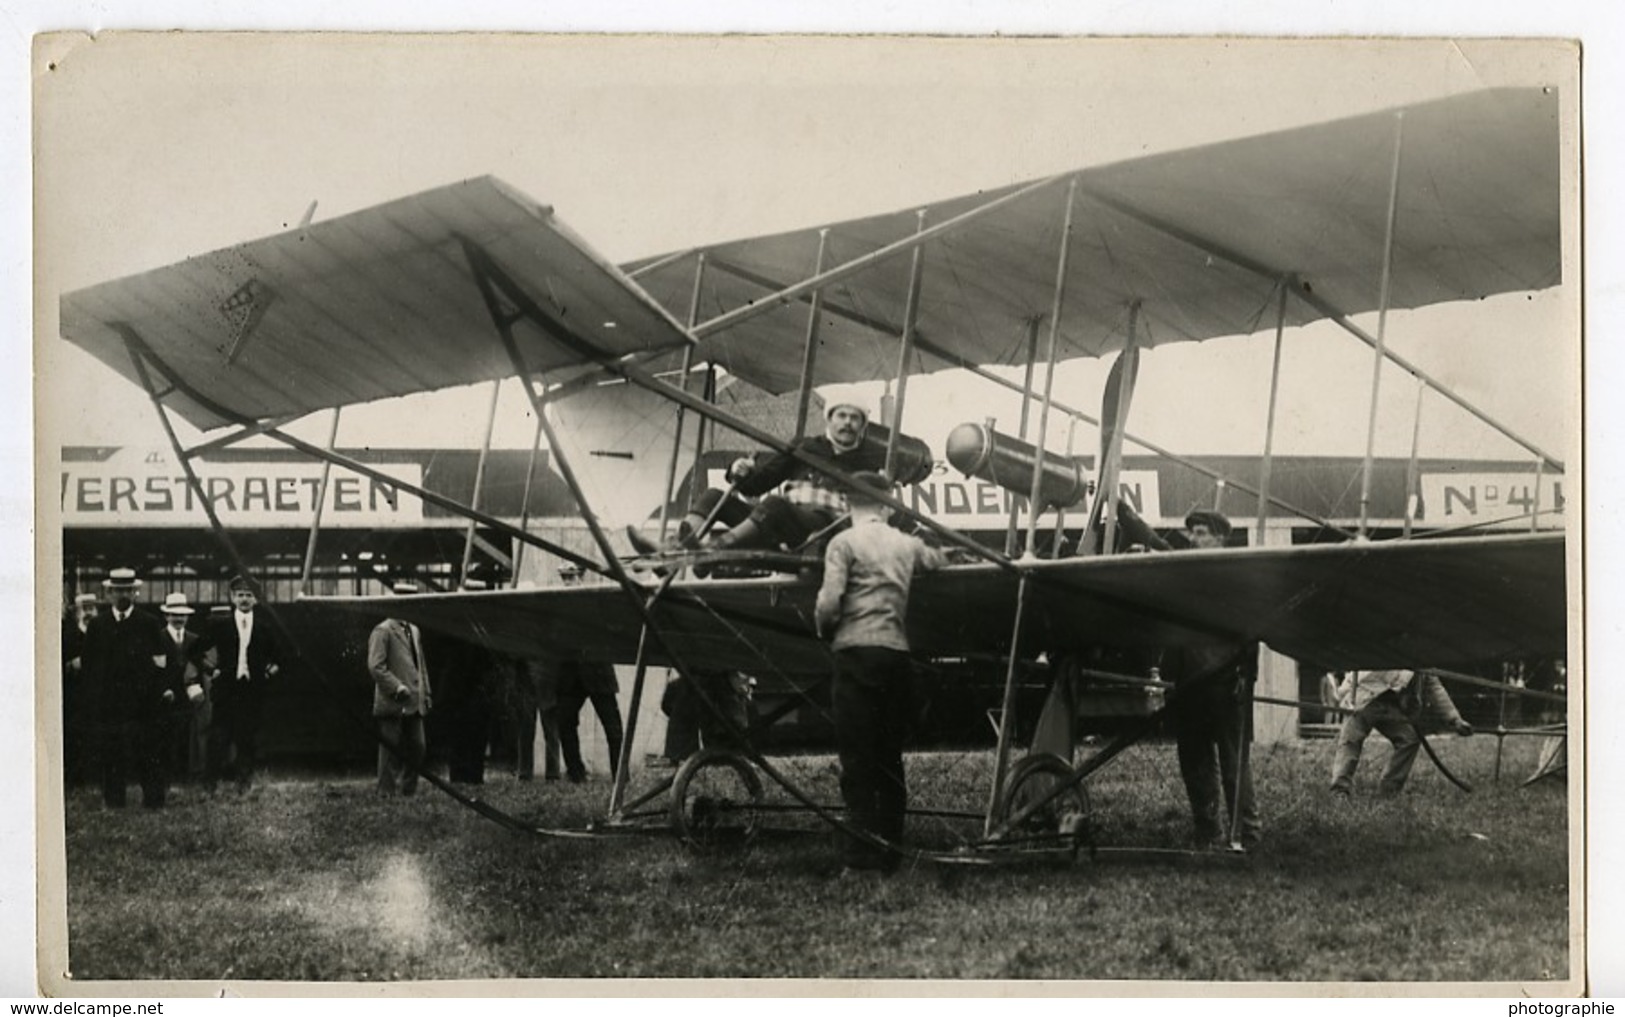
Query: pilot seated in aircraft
x=804 y=500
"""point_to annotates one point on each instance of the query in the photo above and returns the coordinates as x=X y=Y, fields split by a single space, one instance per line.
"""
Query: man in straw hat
x=184 y=671
x=124 y=658
x=863 y=606
x=240 y=660
x=806 y=499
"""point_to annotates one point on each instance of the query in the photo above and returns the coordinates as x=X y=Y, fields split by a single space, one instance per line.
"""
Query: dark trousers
x=1211 y=739
x=782 y=522
x=398 y=770
x=468 y=732
x=736 y=511
x=137 y=744
x=239 y=707
x=710 y=709
x=682 y=719
x=871 y=701
x=79 y=732
x=609 y=715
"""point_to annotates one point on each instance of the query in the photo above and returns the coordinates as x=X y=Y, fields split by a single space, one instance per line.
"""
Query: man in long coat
x=123 y=660
x=400 y=699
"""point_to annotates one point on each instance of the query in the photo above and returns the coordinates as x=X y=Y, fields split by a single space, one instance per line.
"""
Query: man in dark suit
x=123 y=659
x=400 y=699
x=1212 y=707
x=78 y=704
x=578 y=683
x=188 y=749
x=240 y=658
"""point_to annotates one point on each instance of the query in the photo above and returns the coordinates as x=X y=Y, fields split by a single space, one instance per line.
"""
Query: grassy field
x=318 y=879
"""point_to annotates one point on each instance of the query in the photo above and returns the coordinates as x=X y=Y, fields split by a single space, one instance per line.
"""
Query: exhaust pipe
x=977 y=450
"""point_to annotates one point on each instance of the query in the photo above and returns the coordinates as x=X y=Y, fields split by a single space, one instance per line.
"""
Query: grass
x=315 y=880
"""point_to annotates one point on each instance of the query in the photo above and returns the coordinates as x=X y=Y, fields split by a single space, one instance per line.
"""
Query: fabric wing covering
x=1437 y=603
x=382 y=302
x=379 y=303
x=1197 y=237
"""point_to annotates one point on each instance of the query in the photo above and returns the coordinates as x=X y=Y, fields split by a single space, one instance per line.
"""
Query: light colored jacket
x=395 y=660
x=868 y=571
x=1424 y=699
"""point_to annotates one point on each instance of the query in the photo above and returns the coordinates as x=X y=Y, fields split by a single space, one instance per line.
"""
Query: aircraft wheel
x=716 y=800
x=1032 y=779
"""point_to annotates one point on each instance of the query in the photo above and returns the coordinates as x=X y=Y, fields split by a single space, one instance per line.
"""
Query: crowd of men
x=146 y=697
x=154 y=699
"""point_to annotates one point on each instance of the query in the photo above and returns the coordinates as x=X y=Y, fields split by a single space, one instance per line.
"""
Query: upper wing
x=1402 y=603
x=1197 y=237
x=382 y=302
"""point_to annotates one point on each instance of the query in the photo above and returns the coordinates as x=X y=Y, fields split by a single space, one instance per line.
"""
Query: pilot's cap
x=1216 y=522
x=858 y=408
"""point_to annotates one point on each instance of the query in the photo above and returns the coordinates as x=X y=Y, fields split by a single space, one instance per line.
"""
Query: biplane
x=1451 y=200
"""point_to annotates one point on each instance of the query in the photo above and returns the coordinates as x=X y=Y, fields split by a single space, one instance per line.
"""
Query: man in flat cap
x=123 y=660
x=240 y=660
x=1212 y=709
x=804 y=500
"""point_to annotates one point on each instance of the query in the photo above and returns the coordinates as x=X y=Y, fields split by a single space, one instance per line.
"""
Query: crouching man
x=1396 y=703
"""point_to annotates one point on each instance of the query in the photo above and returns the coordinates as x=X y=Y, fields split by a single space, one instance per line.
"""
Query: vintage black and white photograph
x=550 y=510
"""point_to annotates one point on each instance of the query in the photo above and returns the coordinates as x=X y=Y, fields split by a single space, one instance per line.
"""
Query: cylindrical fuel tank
x=912 y=461
x=977 y=450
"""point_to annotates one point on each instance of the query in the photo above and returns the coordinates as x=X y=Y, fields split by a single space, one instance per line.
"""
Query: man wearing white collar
x=240 y=660
x=185 y=673
x=124 y=662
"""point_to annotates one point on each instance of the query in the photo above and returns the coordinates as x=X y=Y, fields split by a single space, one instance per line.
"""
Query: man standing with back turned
x=863 y=603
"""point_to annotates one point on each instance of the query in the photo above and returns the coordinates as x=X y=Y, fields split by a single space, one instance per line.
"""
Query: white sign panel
x=139 y=488
x=1457 y=499
x=965 y=503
